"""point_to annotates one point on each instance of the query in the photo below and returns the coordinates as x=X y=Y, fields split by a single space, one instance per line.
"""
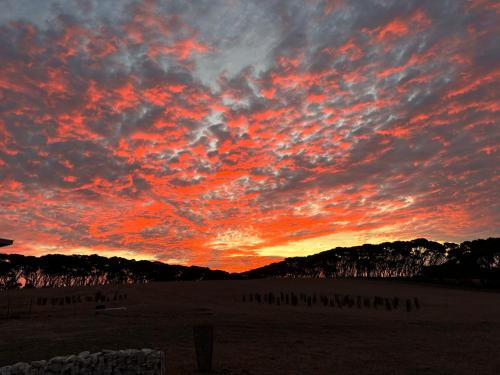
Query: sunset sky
x=231 y=134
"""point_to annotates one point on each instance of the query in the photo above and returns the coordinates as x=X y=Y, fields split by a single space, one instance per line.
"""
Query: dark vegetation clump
x=336 y=301
x=24 y=307
x=416 y=303
x=388 y=305
x=97 y=297
x=408 y=305
x=366 y=302
x=395 y=302
x=271 y=298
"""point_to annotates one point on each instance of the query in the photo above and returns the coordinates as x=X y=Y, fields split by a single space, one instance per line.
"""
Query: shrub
x=395 y=302
x=367 y=302
x=359 y=302
x=388 y=305
x=417 y=303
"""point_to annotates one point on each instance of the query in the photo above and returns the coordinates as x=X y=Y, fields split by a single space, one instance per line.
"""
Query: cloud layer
x=231 y=133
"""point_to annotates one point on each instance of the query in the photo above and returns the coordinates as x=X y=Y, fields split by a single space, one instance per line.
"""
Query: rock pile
x=107 y=362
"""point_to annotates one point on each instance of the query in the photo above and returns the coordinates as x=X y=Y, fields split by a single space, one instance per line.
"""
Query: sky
x=231 y=134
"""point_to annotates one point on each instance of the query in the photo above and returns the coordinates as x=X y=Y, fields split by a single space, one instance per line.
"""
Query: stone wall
x=107 y=362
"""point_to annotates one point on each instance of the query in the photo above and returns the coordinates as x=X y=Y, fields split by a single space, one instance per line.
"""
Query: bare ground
x=454 y=332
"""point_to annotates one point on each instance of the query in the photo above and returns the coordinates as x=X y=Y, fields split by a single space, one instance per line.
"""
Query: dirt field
x=454 y=331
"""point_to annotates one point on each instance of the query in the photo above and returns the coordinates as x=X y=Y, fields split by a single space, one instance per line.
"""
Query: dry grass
x=454 y=331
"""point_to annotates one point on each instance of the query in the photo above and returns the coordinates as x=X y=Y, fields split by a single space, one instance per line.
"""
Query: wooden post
x=203 y=341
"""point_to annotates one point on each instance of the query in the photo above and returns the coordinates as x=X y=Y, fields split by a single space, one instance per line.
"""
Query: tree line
x=56 y=270
x=419 y=258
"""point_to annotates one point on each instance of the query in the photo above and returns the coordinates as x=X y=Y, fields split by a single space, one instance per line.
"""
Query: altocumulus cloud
x=231 y=133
